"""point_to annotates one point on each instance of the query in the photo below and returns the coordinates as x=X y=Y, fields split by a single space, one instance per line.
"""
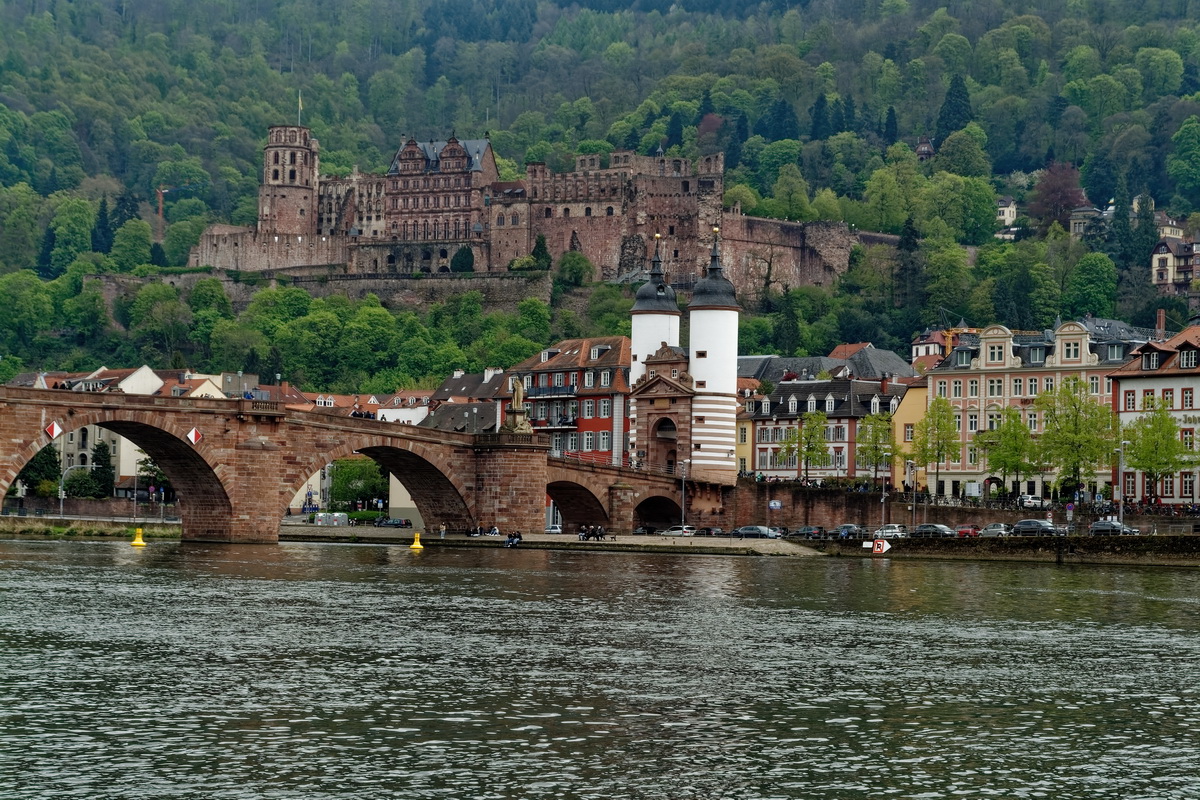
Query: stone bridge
x=236 y=464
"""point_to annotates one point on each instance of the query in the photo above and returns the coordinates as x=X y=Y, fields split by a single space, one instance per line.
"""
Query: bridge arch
x=657 y=511
x=205 y=508
x=578 y=505
x=426 y=471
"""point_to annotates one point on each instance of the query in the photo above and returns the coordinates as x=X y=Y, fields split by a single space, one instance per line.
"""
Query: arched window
x=292 y=158
x=274 y=174
x=276 y=156
x=587 y=212
x=500 y=219
x=566 y=212
x=516 y=219
x=608 y=212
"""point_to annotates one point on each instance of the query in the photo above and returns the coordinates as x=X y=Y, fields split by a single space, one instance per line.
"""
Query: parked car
x=807 y=532
x=848 y=530
x=753 y=532
x=996 y=529
x=777 y=532
x=710 y=531
x=966 y=531
x=1110 y=527
x=643 y=530
x=1035 y=527
x=931 y=530
x=392 y=522
x=554 y=529
x=679 y=530
x=1032 y=501
x=891 y=531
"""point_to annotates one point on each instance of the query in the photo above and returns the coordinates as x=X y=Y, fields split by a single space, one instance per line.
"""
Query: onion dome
x=714 y=290
x=656 y=296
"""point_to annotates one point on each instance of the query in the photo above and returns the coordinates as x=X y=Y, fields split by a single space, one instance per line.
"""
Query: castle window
x=587 y=212
x=274 y=174
x=500 y=220
x=292 y=159
x=516 y=219
x=687 y=186
x=276 y=157
x=549 y=213
x=608 y=212
x=670 y=230
x=566 y=212
x=291 y=174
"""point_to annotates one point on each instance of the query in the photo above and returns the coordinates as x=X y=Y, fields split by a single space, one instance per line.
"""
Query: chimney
x=1160 y=324
x=458 y=373
x=883 y=383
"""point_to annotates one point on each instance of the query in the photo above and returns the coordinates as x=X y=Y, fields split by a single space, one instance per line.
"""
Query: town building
x=999 y=368
x=1168 y=372
x=1172 y=266
x=577 y=392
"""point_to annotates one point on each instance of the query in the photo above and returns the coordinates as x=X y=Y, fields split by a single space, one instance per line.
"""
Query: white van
x=333 y=519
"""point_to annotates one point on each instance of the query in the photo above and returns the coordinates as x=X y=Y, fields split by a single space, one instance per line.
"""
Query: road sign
x=881 y=546
x=54 y=429
x=1070 y=506
x=1050 y=516
x=774 y=505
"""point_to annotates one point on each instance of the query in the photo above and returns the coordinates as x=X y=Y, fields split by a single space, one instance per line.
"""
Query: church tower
x=713 y=350
x=656 y=318
x=287 y=197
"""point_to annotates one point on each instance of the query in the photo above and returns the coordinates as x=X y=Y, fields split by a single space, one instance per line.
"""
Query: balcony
x=551 y=391
x=557 y=423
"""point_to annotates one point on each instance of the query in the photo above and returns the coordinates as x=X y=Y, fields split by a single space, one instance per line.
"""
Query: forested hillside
x=816 y=105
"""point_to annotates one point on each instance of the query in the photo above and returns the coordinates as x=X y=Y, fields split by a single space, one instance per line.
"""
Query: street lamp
x=683 y=491
x=1119 y=486
x=883 y=493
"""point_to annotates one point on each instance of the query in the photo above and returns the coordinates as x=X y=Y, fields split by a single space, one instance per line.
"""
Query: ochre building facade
x=439 y=197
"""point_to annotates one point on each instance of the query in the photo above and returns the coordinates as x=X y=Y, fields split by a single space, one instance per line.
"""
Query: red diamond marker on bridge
x=54 y=429
x=194 y=436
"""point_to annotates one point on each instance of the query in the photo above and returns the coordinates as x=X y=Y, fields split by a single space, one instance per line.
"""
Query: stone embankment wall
x=1180 y=551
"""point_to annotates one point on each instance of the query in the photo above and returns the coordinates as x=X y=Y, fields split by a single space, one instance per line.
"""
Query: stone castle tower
x=290 y=181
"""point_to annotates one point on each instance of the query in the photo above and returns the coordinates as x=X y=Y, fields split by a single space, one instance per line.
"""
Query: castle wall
x=772 y=255
x=224 y=247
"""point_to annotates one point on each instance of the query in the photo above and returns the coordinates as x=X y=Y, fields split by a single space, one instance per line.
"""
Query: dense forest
x=817 y=106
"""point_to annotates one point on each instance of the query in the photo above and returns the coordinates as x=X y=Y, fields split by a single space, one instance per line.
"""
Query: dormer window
x=595 y=353
x=963 y=358
x=1115 y=352
x=1150 y=360
x=1037 y=355
x=589 y=379
x=766 y=406
x=793 y=405
x=1071 y=351
x=605 y=378
x=829 y=404
x=1187 y=359
x=995 y=354
x=812 y=404
x=875 y=405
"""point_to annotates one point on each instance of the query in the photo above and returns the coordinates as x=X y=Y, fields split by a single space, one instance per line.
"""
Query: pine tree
x=102 y=469
x=837 y=117
x=891 y=130
x=45 y=254
x=1120 y=245
x=158 y=256
x=706 y=106
x=102 y=232
x=908 y=266
x=819 y=112
x=955 y=113
x=126 y=209
x=675 y=130
x=849 y=113
x=541 y=253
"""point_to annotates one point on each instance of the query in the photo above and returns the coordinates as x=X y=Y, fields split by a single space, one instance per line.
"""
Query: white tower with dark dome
x=655 y=320
x=713 y=348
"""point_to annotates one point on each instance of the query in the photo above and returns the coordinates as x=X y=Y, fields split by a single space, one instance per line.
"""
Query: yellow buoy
x=416 y=545
x=137 y=538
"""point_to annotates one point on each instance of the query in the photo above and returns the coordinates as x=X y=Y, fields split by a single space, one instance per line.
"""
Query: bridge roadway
x=236 y=464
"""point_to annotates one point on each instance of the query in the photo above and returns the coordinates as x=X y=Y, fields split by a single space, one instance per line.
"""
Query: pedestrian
x=442 y=530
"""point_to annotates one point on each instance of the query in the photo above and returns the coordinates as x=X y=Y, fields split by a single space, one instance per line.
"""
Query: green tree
x=103 y=474
x=935 y=438
x=541 y=253
x=574 y=269
x=1077 y=432
x=955 y=112
x=131 y=245
x=875 y=442
x=356 y=479
x=790 y=194
x=102 y=232
x=962 y=154
x=1092 y=287
x=209 y=293
x=463 y=260
x=43 y=470
x=72 y=234
x=79 y=483
x=809 y=444
x=1155 y=446
x=1009 y=447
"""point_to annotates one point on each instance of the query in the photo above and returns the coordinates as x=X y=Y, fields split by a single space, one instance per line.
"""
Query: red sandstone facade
x=439 y=197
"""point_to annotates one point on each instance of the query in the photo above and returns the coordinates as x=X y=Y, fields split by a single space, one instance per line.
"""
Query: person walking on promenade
x=442 y=530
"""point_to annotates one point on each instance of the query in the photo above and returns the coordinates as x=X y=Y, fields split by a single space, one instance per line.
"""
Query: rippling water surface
x=324 y=671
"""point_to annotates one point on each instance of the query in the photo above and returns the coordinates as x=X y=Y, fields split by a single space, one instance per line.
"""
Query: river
x=365 y=671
